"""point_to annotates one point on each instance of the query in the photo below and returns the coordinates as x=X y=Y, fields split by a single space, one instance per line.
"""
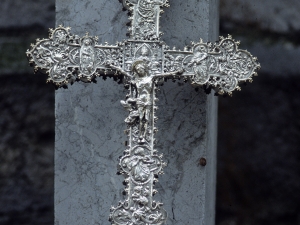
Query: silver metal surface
x=142 y=62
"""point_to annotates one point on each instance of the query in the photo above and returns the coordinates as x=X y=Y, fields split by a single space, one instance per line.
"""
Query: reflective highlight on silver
x=141 y=63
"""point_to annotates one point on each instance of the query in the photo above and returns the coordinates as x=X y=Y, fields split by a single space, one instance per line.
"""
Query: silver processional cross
x=141 y=63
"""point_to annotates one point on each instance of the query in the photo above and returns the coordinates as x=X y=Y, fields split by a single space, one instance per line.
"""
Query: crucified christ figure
x=143 y=84
x=141 y=103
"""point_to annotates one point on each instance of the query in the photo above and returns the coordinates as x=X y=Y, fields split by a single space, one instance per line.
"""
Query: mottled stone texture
x=89 y=125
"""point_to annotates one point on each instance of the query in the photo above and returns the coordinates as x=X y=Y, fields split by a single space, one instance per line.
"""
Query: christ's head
x=140 y=68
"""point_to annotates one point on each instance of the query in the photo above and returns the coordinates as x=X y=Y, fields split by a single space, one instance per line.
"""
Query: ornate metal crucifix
x=141 y=63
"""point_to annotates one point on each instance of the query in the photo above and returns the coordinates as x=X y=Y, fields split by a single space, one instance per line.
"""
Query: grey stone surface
x=89 y=140
x=89 y=125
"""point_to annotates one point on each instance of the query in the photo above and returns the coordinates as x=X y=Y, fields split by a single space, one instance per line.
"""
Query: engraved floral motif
x=140 y=165
x=173 y=63
x=145 y=21
x=221 y=65
x=65 y=57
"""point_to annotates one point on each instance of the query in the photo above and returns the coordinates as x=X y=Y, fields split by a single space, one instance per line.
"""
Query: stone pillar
x=90 y=124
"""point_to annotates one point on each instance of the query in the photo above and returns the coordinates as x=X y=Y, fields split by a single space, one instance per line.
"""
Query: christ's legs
x=141 y=117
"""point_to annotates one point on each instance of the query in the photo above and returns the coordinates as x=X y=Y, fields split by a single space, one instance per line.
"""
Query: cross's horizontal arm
x=66 y=57
x=221 y=65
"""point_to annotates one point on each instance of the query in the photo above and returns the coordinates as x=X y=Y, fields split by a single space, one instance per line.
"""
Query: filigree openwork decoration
x=66 y=57
x=141 y=63
x=221 y=65
x=145 y=18
x=141 y=163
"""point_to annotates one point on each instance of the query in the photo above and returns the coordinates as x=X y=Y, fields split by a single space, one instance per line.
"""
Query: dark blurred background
x=258 y=178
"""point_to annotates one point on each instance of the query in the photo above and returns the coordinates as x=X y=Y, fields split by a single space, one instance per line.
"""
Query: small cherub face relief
x=60 y=36
x=144 y=51
x=228 y=45
x=87 y=41
x=140 y=151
